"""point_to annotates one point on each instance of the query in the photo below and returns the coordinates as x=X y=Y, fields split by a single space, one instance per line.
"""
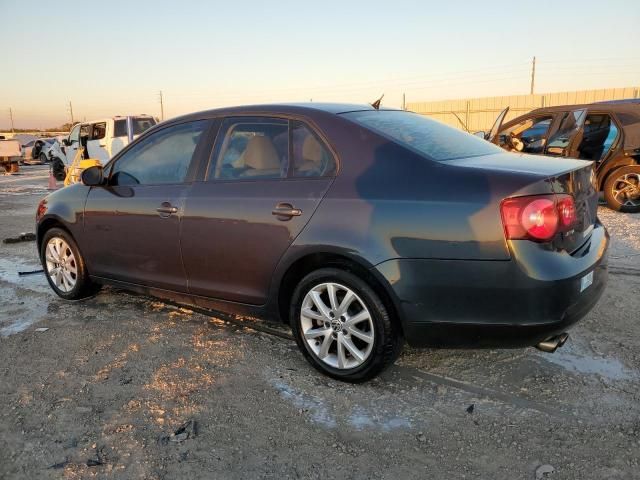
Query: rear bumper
x=514 y=303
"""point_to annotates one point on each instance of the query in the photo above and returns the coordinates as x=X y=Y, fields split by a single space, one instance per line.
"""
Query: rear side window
x=311 y=157
x=162 y=157
x=251 y=148
x=428 y=137
x=139 y=126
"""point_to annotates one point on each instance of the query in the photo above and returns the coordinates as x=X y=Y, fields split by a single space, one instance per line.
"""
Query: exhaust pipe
x=552 y=344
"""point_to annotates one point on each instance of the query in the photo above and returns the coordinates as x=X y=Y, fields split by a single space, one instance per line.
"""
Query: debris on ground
x=41 y=329
x=23 y=237
x=59 y=465
x=471 y=407
x=183 y=432
x=30 y=272
x=543 y=471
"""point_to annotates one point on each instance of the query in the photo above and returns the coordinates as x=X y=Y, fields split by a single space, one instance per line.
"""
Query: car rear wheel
x=43 y=158
x=64 y=266
x=342 y=327
x=622 y=189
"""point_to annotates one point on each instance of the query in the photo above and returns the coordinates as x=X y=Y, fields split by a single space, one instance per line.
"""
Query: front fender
x=65 y=208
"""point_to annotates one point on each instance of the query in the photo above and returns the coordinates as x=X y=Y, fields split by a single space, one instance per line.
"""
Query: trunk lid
x=580 y=184
x=564 y=176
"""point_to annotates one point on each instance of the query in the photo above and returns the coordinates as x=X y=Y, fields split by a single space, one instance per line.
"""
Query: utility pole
x=11 y=118
x=161 y=107
x=533 y=74
x=404 y=105
x=71 y=112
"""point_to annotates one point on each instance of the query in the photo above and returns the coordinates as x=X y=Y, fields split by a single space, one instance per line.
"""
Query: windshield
x=430 y=138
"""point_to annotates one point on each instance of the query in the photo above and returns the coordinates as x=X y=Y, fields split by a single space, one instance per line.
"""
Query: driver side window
x=162 y=158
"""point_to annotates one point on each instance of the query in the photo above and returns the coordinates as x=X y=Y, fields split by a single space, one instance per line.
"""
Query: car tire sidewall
x=82 y=281
x=613 y=177
x=43 y=158
x=383 y=331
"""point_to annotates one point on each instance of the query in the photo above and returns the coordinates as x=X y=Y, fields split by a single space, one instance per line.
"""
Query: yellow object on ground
x=77 y=166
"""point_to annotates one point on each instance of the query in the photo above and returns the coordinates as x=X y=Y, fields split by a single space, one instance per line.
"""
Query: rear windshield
x=139 y=126
x=433 y=139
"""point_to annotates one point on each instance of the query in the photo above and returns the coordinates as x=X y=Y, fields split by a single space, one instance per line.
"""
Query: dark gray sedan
x=360 y=227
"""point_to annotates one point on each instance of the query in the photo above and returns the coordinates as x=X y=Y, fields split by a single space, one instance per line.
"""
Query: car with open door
x=104 y=138
x=339 y=220
x=607 y=133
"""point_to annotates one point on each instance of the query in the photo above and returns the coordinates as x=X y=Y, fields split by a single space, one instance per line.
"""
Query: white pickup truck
x=105 y=137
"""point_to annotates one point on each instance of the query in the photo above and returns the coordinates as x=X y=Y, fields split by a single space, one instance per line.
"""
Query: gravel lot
x=124 y=386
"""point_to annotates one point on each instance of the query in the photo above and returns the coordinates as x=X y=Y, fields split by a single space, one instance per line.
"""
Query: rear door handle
x=285 y=211
x=166 y=210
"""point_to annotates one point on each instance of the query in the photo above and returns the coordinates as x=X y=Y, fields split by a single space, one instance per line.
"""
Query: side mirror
x=481 y=134
x=92 y=176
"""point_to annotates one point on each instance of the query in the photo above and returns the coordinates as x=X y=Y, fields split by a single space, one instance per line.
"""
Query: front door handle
x=286 y=211
x=166 y=210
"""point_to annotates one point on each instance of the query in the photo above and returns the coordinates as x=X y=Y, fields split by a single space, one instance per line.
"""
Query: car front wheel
x=64 y=266
x=622 y=189
x=342 y=327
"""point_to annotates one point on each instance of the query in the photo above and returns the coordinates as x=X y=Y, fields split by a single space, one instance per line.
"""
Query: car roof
x=308 y=108
x=613 y=106
x=115 y=117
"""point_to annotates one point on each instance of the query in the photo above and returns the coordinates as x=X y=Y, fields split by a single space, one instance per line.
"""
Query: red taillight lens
x=537 y=218
x=567 y=210
x=42 y=208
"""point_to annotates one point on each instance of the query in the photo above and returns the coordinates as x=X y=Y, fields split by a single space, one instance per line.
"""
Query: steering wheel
x=515 y=143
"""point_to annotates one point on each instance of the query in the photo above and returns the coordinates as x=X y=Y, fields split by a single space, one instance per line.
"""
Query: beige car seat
x=311 y=156
x=261 y=158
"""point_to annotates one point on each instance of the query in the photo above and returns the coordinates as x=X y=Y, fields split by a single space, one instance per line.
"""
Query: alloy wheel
x=337 y=326
x=61 y=263
x=626 y=190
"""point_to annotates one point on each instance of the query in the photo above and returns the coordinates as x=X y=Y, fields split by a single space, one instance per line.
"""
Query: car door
x=565 y=140
x=72 y=144
x=97 y=143
x=492 y=136
x=132 y=224
x=251 y=204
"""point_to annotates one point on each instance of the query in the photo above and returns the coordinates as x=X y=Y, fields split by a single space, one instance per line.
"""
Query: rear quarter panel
x=388 y=202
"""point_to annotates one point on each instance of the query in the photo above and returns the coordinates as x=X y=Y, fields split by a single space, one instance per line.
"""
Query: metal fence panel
x=480 y=113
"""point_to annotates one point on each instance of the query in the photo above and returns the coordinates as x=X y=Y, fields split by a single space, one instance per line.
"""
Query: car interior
x=600 y=133
x=528 y=136
x=254 y=150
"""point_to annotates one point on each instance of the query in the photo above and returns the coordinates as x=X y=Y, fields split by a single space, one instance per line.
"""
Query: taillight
x=42 y=209
x=538 y=218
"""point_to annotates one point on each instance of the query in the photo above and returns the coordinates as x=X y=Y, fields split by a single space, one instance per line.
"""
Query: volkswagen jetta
x=361 y=227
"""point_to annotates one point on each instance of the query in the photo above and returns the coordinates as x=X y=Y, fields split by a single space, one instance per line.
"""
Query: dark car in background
x=361 y=228
x=607 y=133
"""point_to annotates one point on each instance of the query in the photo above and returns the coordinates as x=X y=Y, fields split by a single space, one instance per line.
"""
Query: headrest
x=311 y=149
x=261 y=154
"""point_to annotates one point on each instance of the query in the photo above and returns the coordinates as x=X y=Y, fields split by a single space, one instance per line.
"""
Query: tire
x=64 y=266
x=376 y=338
x=622 y=189
x=43 y=158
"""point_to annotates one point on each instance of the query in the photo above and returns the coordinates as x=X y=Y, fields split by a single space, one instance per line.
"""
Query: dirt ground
x=124 y=386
